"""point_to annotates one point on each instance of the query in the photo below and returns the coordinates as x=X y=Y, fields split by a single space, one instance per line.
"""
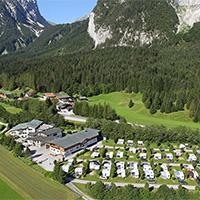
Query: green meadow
x=29 y=183
x=10 y=109
x=139 y=114
x=6 y=192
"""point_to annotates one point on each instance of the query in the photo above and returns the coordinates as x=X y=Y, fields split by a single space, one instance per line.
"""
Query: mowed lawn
x=8 y=193
x=29 y=183
x=139 y=114
x=11 y=109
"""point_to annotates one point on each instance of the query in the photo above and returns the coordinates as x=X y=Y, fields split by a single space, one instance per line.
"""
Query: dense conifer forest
x=167 y=75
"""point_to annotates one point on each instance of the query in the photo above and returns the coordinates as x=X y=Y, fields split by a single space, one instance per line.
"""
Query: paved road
x=73 y=118
x=189 y=187
x=74 y=188
x=6 y=126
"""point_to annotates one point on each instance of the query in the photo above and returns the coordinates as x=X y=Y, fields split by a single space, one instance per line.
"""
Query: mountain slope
x=129 y=22
x=20 y=23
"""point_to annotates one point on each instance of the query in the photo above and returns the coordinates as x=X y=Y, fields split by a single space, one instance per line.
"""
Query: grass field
x=29 y=183
x=139 y=114
x=8 y=193
x=11 y=109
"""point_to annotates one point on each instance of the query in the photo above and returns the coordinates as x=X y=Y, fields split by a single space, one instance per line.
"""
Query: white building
x=120 y=154
x=94 y=155
x=149 y=174
x=191 y=158
x=130 y=142
x=140 y=143
x=179 y=175
x=169 y=156
x=158 y=156
x=143 y=156
x=79 y=171
x=165 y=174
x=94 y=165
x=120 y=169
x=23 y=130
x=134 y=170
x=111 y=155
x=120 y=141
x=73 y=142
x=133 y=150
x=106 y=170
x=182 y=146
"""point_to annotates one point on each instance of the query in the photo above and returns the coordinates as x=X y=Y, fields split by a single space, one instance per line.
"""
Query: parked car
x=170 y=160
x=182 y=182
x=151 y=181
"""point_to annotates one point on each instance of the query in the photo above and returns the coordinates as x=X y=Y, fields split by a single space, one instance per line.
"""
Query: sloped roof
x=51 y=131
x=34 y=123
x=73 y=139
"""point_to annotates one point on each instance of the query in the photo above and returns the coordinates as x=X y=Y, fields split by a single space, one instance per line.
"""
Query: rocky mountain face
x=188 y=12
x=131 y=22
x=20 y=23
x=112 y=23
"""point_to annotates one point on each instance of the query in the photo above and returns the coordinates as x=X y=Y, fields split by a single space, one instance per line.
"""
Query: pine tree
x=131 y=104
x=27 y=152
x=153 y=109
x=148 y=103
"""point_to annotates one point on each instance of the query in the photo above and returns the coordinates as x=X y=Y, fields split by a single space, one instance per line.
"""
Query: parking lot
x=43 y=158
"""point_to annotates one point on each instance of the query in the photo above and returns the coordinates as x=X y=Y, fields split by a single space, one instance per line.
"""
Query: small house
x=140 y=143
x=133 y=150
x=65 y=168
x=158 y=156
x=165 y=174
x=149 y=174
x=197 y=150
x=130 y=142
x=182 y=146
x=2 y=95
x=134 y=172
x=191 y=158
x=179 y=175
x=94 y=165
x=121 y=169
x=106 y=170
x=169 y=156
x=178 y=152
x=120 y=154
x=111 y=155
x=95 y=155
x=120 y=141
x=79 y=171
x=164 y=167
x=83 y=98
x=146 y=167
x=143 y=156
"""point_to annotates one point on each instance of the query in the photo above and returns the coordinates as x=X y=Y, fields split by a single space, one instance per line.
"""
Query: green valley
x=139 y=114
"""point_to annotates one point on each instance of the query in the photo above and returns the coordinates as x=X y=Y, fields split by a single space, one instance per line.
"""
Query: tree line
x=97 y=111
x=32 y=109
x=153 y=133
x=99 y=190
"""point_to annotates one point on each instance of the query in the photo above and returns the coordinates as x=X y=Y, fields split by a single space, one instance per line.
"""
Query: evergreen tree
x=131 y=104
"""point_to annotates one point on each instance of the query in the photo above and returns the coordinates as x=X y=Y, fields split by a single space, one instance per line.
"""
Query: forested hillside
x=167 y=75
